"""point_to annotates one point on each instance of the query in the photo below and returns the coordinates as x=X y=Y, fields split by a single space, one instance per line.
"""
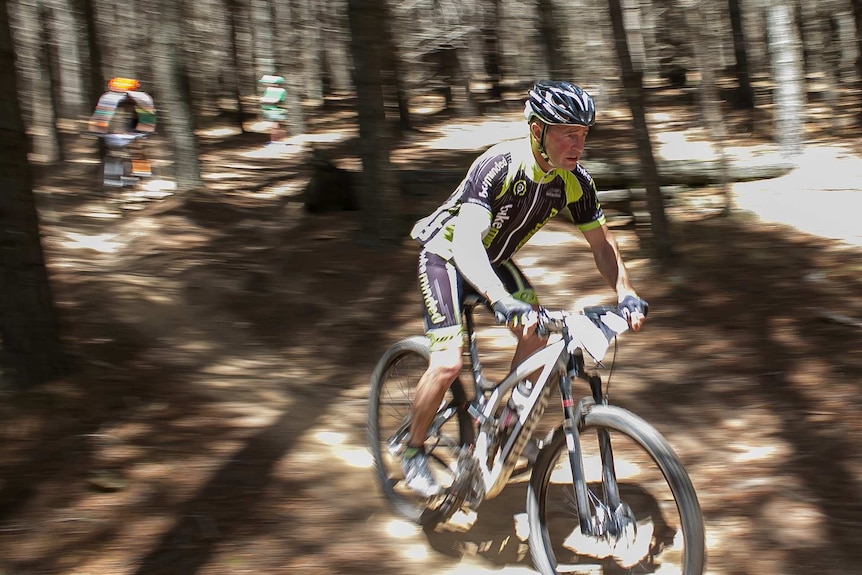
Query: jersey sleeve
x=486 y=179
x=586 y=211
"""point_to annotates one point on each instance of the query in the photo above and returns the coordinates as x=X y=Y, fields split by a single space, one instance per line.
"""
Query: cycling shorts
x=443 y=289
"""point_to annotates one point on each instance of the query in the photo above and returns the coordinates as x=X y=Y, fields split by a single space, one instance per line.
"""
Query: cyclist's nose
x=579 y=143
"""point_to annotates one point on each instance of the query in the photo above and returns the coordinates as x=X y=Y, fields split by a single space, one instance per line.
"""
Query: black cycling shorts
x=443 y=289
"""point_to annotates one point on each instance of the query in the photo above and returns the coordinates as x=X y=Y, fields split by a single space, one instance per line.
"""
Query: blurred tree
x=820 y=65
x=491 y=25
x=395 y=89
x=288 y=62
x=91 y=53
x=745 y=92
x=262 y=28
x=34 y=71
x=438 y=38
x=857 y=17
x=49 y=54
x=633 y=87
x=378 y=194
x=72 y=98
x=700 y=14
x=788 y=97
x=311 y=54
x=236 y=17
x=335 y=41
x=552 y=34
x=172 y=81
x=30 y=350
x=674 y=43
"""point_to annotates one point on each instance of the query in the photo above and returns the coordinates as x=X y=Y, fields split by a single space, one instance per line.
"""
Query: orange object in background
x=123 y=84
x=141 y=167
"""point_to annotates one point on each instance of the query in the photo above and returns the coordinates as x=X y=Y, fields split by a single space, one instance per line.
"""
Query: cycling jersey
x=520 y=197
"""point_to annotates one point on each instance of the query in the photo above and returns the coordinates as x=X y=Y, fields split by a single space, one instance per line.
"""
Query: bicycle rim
x=393 y=386
x=663 y=526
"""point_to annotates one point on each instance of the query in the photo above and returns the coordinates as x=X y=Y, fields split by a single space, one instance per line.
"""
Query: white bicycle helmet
x=560 y=103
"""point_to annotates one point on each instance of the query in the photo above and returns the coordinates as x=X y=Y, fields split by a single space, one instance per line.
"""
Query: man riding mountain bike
x=467 y=244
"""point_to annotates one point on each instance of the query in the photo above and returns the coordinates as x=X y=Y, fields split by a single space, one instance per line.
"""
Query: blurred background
x=185 y=345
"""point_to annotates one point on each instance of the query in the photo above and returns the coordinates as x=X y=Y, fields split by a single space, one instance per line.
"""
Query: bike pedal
x=531 y=451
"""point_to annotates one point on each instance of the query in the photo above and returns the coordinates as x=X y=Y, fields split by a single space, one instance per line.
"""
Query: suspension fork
x=609 y=475
x=576 y=460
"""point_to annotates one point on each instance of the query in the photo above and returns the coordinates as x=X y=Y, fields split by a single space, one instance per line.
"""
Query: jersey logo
x=520 y=188
x=553 y=192
x=501 y=217
x=488 y=180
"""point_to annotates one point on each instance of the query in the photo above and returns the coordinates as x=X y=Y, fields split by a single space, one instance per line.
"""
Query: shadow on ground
x=215 y=421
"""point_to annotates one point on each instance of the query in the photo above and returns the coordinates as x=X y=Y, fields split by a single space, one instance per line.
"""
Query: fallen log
x=613 y=175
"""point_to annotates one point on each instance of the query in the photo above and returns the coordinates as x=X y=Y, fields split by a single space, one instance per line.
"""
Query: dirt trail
x=217 y=424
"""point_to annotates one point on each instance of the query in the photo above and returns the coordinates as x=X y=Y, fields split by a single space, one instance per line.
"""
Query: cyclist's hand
x=511 y=311
x=635 y=310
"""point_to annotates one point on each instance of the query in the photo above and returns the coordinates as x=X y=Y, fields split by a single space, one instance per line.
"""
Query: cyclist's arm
x=609 y=261
x=471 y=225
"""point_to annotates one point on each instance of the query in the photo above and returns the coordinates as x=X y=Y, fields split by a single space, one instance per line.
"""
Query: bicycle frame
x=554 y=358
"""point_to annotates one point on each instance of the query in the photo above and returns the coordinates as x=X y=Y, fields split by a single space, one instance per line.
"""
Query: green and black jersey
x=520 y=198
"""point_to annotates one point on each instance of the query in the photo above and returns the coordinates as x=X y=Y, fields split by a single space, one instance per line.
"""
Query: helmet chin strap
x=541 y=146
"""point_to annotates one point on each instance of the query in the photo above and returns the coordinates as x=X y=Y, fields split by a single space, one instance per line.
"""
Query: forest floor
x=215 y=422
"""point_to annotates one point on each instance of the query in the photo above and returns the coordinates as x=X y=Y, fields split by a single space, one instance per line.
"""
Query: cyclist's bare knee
x=445 y=364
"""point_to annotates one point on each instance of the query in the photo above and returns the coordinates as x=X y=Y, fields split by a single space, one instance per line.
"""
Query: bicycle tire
x=630 y=434
x=389 y=408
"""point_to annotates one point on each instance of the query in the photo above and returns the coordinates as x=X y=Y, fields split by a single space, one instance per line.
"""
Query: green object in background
x=273 y=99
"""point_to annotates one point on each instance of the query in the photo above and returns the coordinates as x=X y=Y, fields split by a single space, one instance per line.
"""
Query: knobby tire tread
x=627 y=423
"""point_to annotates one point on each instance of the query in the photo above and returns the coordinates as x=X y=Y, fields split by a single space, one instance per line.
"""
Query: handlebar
x=592 y=329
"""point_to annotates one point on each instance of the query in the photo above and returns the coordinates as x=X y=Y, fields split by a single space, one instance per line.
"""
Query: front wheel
x=658 y=527
x=393 y=386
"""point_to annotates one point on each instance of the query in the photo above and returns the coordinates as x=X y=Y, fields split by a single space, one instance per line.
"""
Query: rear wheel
x=658 y=528
x=393 y=385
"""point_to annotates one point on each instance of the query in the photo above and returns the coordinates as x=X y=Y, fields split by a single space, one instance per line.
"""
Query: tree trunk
x=336 y=53
x=175 y=97
x=552 y=40
x=632 y=85
x=377 y=186
x=92 y=57
x=745 y=92
x=49 y=58
x=234 y=19
x=491 y=35
x=262 y=27
x=393 y=73
x=705 y=50
x=857 y=16
x=788 y=98
x=36 y=88
x=70 y=65
x=312 y=52
x=288 y=56
x=29 y=330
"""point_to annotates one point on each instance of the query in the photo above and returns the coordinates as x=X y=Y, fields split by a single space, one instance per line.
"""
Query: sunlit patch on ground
x=295 y=145
x=471 y=136
x=400 y=529
x=103 y=243
x=415 y=552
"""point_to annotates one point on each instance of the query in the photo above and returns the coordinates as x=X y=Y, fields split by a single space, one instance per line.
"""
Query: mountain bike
x=606 y=492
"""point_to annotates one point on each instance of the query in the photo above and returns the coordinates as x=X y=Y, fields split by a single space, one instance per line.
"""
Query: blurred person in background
x=467 y=244
x=273 y=106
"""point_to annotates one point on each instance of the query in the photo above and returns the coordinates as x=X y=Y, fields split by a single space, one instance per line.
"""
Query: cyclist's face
x=564 y=144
